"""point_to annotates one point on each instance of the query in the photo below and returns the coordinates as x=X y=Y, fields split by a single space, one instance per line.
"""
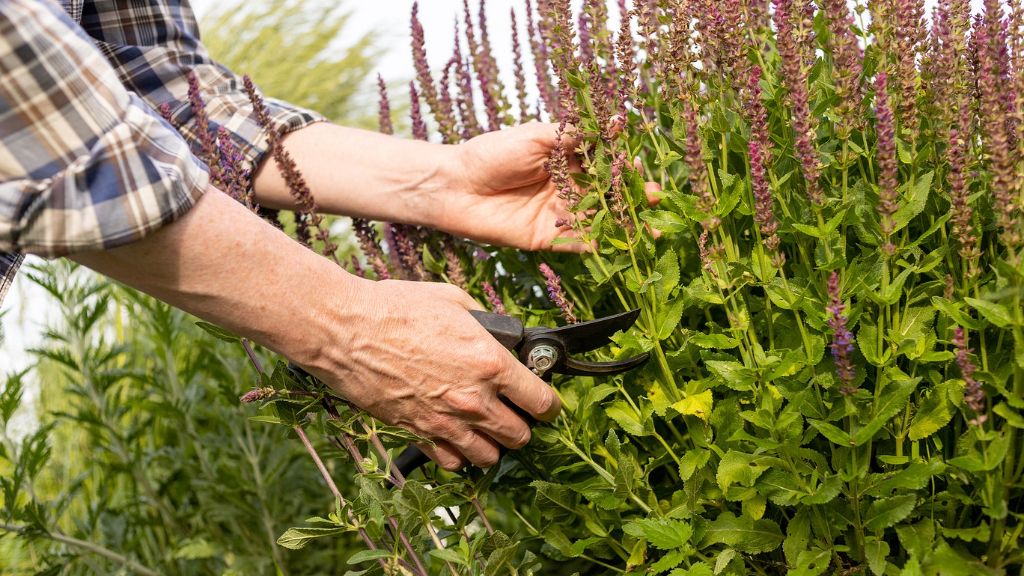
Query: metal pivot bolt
x=542 y=358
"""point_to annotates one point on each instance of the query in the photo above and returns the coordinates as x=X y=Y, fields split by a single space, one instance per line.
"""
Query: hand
x=505 y=196
x=392 y=363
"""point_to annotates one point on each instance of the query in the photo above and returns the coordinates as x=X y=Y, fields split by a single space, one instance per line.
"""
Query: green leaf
x=743 y=533
x=916 y=202
x=912 y=477
x=891 y=294
x=893 y=399
x=995 y=313
x=218 y=332
x=867 y=341
x=912 y=334
x=664 y=221
x=627 y=419
x=933 y=413
x=876 y=551
x=669 y=561
x=602 y=270
x=298 y=538
x=952 y=562
x=732 y=374
x=695 y=569
x=668 y=267
x=663 y=533
x=669 y=316
x=699 y=405
x=370 y=555
x=952 y=311
x=738 y=468
x=692 y=461
x=713 y=341
x=834 y=434
x=723 y=560
x=1012 y=417
x=985 y=457
x=886 y=512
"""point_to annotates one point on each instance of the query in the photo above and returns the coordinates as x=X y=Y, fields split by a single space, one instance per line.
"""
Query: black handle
x=508 y=331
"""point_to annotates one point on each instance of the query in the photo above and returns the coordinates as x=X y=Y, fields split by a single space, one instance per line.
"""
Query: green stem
x=107 y=553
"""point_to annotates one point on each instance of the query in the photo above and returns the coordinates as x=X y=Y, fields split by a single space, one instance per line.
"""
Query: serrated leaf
x=732 y=374
x=933 y=413
x=669 y=316
x=867 y=341
x=893 y=399
x=724 y=557
x=952 y=311
x=627 y=419
x=699 y=405
x=664 y=221
x=298 y=538
x=663 y=533
x=738 y=468
x=743 y=533
x=915 y=203
x=713 y=341
x=692 y=461
x=834 y=434
x=668 y=267
x=886 y=512
x=995 y=313
x=876 y=551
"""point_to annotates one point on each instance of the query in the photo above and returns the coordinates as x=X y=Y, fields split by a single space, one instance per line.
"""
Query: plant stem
x=107 y=553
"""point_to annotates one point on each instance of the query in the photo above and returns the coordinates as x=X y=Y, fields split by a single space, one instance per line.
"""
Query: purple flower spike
x=759 y=147
x=257 y=395
x=497 y=306
x=794 y=37
x=887 y=167
x=209 y=152
x=842 y=339
x=618 y=198
x=847 y=57
x=554 y=284
x=541 y=62
x=366 y=234
x=974 y=395
x=384 y=119
x=419 y=127
x=237 y=179
x=517 y=54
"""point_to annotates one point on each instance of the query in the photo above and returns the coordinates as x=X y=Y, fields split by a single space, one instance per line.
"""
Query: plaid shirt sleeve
x=84 y=164
x=153 y=44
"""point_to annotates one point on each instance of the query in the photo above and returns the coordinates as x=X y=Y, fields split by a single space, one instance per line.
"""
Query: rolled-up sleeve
x=84 y=164
x=154 y=44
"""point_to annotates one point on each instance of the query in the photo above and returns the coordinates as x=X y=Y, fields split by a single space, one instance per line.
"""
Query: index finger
x=535 y=396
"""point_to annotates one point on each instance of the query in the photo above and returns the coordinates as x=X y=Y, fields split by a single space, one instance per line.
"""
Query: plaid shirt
x=85 y=162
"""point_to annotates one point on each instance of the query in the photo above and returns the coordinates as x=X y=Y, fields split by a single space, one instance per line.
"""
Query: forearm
x=361 y=173
x=227 y=266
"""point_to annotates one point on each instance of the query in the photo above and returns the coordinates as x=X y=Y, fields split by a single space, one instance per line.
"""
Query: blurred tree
x=299 y=51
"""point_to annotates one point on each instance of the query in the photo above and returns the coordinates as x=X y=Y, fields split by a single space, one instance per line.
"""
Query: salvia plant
x=830 y=289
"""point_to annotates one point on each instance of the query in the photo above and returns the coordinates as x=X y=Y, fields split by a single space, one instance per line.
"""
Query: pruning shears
x=546 y=351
